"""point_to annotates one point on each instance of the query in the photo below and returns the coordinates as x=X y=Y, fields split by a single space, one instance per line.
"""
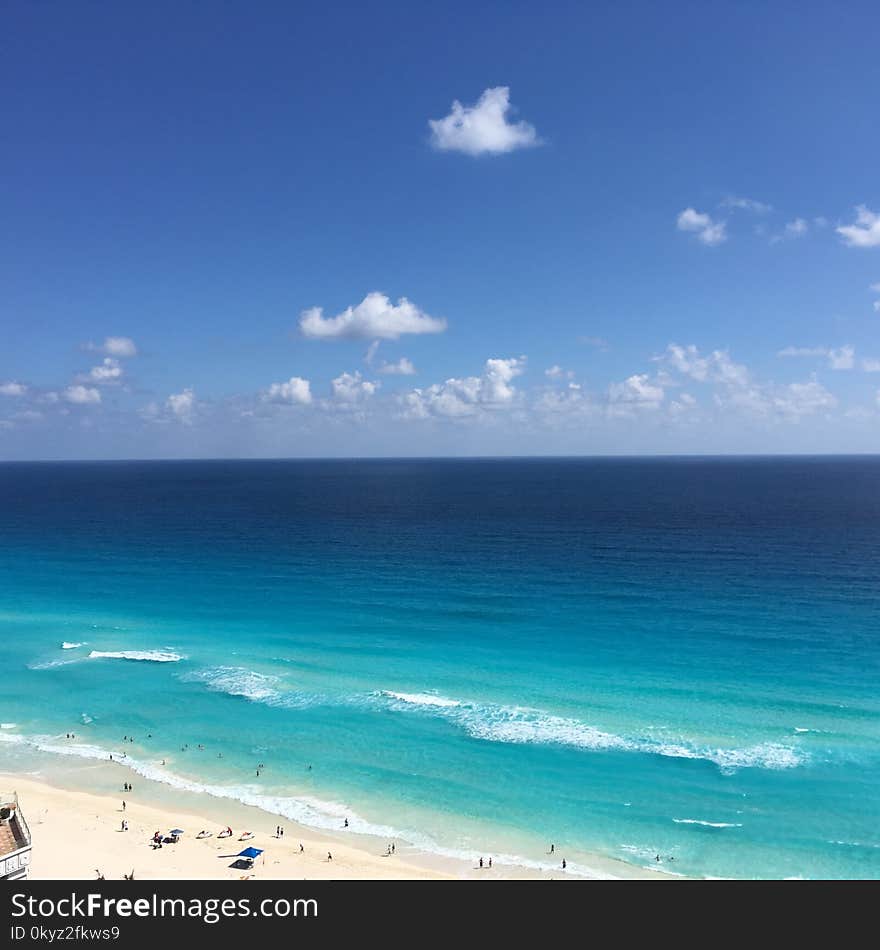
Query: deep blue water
x=627 y=657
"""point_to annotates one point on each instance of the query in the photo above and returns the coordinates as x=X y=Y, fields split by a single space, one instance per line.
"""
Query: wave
x=305 y=810
x=517 y=724
x=72 y=646
x=51 y=664
x=152 y=656
x=422 y=699
x=86 y=718
x=706 y=824
x=256 y=687
x=8 y=725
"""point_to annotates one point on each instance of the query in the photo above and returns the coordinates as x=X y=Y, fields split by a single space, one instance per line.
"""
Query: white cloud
x=871 y=366
x=796 y=228
x=708 y=231
x=865 y=232
x=107 y=373
x=371 y=352
x=374 y=317
x=716 y=367
x=684 y=404
x=557 y=372
x=843 y=358
x=82 y=395
x=350 y=389
x=877 y=306
x=120 y=346
x=12 y=388
x=802 y=399
x=403 y=367
x=296 y=391
x=746 y=204
x=482 y=129
x=875 y=287
x=182 y=405
x=467 y=396
x=636 y=392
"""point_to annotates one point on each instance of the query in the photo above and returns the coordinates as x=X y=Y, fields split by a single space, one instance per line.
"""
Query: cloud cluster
x=708 y=232
x=864 y=232
x=12 y=388
x=482 y=129
x=469 y=395
x=374 y=318
x=842 y=358
x=82 y=395
x=295 y=392
x=118 y=346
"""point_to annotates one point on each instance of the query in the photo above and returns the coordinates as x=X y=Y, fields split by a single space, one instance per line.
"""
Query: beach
x=78 y=834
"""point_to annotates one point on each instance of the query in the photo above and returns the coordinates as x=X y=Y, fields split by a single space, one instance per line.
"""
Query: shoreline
x=76 y=831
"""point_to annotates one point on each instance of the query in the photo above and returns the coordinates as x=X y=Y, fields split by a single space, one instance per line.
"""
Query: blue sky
x=651 y=204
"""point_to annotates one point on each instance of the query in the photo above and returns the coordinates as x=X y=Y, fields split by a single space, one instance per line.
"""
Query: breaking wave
x=151 y=656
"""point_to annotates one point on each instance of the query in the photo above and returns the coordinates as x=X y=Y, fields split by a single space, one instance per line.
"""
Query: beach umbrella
x=250 y=853
x=176 y=832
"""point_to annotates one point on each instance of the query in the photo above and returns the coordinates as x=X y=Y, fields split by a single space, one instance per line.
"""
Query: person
x=282 y=831
x=123 y=805
x=392 y=847
x=563 y=864
x=163 y=761
x=122 y=825
x=345 y=825
x=100 y=875
x=329 y=856
x=552 y=848
x=657 y=858
x=490 y=862
x=481 y=862
x=301 y=848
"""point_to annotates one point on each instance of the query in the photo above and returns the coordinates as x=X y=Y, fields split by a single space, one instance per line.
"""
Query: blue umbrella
x=176 y=832
x=250 y=853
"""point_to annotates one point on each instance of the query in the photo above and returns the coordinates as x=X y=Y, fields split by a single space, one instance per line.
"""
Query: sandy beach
x=77 y=834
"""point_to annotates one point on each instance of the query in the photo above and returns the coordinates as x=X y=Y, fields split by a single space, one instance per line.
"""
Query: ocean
x=631 y=658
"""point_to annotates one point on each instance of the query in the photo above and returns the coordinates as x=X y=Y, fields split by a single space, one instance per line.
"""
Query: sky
x=321 y=229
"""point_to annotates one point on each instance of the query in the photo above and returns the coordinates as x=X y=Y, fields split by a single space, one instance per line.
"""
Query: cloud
x=375 y=317
x=717 y=367
x=796 y=228
x=467 y=396
x=636 y=392
x=351 y=389
x=482 y=129
x=12 y=388
x=709 y=232
x=182 y=405
x=403 y=367
x=82 y=395
x=746 y=204
x=843 y=358
x=683 y=405
x=865 y=232
x=877 y=306
x=296 y=391
x=875 y=287
x=557 y=372
x=120 y=346
x=108 y=373
x=871 y=366
x=801 y=399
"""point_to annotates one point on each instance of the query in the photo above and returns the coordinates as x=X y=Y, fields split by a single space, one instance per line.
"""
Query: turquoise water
x=629 y=658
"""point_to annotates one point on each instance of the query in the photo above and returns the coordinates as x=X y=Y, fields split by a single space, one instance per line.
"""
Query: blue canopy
x=176 y=832
x=250 y=853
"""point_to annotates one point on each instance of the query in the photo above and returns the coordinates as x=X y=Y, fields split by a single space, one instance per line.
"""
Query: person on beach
x=481 y=862
x=301 y=848
x=490 y=862
x=100 y=875
x=345 y=825
x=563 y=864
x=392 y=847
x=329 y=856
x=552 y=848
x=281 y=829
x=123 y=804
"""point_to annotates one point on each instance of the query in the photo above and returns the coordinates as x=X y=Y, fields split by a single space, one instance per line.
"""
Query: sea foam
x=66 y=645
x=151 y=656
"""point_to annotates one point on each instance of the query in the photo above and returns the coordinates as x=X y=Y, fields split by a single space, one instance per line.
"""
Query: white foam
x=257 y=687
x=151 y=656
x=8 y=725
x=86 y=718
x=72 y=646
x=422 y=699
x=315 y=813
x=706 y=824
x=517 y=724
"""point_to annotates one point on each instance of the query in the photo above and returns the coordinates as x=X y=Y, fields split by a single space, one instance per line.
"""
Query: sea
x=669 y=662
